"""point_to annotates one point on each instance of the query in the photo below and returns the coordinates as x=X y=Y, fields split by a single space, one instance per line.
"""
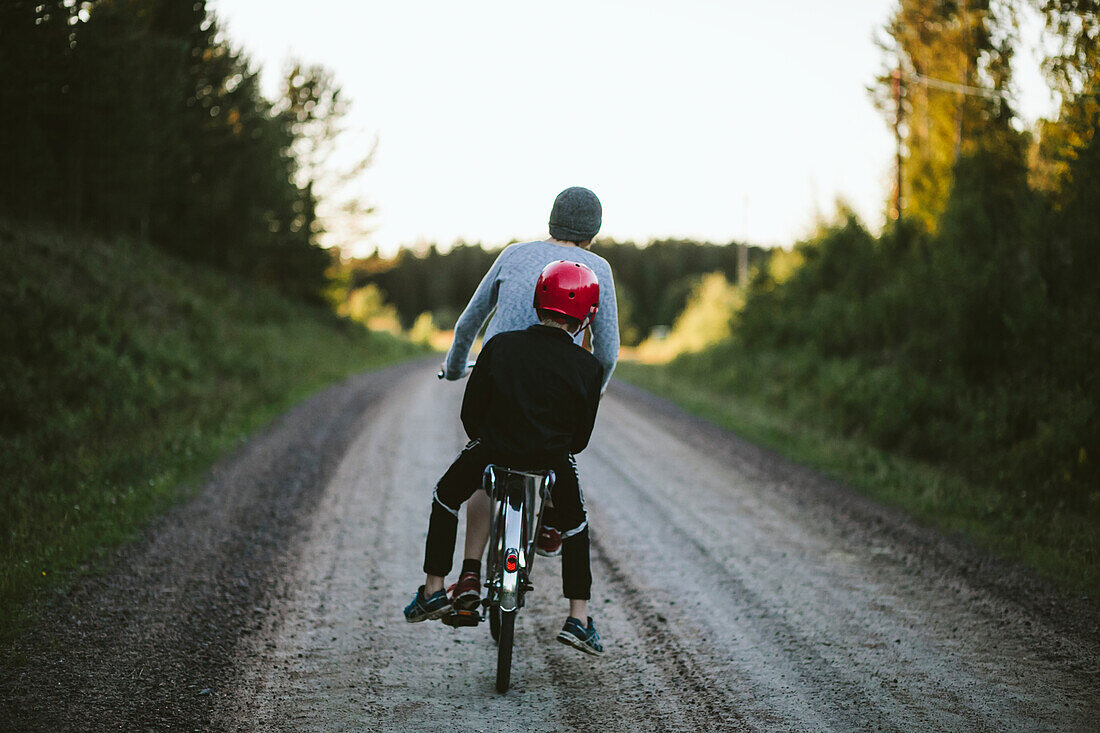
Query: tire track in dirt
x=736 y=608
x=829 y=627
x=697 y=684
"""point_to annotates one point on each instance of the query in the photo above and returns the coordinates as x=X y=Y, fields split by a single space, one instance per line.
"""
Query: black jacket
x=532 y=396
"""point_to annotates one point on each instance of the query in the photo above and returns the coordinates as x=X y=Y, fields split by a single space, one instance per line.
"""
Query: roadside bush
x=123 y=371
x=975 y=348
x=706 y=319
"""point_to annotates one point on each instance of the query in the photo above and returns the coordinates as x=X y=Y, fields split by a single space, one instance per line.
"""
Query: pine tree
x=36 y=58
x=136 y=117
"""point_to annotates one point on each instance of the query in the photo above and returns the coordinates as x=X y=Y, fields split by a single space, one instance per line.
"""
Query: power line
x=967 y=89
x=948 y=86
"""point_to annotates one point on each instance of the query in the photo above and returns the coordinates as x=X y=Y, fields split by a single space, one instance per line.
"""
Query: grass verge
x=1057 y=544
x=125 y=374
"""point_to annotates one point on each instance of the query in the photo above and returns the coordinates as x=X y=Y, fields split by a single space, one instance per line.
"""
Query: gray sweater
x=509 y=288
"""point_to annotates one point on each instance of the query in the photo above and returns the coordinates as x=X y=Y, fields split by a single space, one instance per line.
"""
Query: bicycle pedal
x=456 y=619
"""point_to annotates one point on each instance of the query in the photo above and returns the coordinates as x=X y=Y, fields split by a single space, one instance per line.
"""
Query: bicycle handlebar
x=469 y=366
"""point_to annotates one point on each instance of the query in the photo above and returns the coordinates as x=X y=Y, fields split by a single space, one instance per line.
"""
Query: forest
x=138 y=118
x=162 y=281
x=652 y=282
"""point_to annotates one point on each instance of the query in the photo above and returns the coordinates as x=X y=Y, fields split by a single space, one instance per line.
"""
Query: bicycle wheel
x=504 y=649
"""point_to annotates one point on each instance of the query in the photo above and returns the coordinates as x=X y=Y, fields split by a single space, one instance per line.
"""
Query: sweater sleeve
x=477 y=311
x=605 y=329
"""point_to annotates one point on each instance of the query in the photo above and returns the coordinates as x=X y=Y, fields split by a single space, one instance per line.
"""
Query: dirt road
x=734 y=591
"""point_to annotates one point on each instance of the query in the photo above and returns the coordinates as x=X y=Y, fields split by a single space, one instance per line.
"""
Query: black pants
x=463 y=478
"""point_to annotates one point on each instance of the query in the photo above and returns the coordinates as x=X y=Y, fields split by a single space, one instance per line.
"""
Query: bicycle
x=517 y=499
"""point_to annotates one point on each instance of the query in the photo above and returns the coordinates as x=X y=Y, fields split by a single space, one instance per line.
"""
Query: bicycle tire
x=494 y=623
x=504 y=650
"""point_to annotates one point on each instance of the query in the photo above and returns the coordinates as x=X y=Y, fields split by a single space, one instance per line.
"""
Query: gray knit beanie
x=576 y=216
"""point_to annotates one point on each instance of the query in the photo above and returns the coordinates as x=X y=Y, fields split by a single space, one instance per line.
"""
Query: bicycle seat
x=525 y=472
x=495 y=473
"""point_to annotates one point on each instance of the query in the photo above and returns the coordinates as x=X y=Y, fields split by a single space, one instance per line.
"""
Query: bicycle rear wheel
x=504 y=650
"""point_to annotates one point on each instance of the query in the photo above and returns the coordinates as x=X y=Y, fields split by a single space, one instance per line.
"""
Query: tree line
x=652 y=282
x=138 y=117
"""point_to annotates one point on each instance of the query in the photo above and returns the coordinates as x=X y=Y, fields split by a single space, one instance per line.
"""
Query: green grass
x=125 y=374
x=755 y=401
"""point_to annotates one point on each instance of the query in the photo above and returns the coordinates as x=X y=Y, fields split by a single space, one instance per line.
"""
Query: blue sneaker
x=427 y=609
x=585 y=639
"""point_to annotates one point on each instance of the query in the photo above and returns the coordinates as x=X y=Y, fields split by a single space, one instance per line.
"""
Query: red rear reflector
x=510 y=563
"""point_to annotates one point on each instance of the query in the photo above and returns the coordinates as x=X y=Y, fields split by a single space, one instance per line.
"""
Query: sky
x=705 y=119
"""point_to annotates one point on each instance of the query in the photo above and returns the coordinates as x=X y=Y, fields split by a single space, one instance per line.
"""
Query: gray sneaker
x=426 y=609
x=579 y=637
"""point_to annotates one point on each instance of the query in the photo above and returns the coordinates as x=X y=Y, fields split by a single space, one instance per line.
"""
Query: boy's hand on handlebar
x=453 y=376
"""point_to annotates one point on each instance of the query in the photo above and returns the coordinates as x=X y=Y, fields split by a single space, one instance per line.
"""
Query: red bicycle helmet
x=568 y=288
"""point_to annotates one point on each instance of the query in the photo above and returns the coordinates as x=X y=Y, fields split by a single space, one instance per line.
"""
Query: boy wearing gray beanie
x=574 y=220
x=576 y=216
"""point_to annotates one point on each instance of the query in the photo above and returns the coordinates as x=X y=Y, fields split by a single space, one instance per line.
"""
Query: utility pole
x=967 y=42
x=897 y=141
x=743 y=253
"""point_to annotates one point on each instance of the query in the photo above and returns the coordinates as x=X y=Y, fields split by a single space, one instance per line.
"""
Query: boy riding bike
x=530 y=404
x=502 y=302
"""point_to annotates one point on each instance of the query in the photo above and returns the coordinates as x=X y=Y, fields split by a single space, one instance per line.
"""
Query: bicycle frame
x=517 y=500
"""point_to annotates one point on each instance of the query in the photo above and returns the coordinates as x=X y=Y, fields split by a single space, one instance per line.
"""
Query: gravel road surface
x=734 y=591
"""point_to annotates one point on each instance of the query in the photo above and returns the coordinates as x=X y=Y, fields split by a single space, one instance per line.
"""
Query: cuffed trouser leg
x=439 y=550
x=572 y=522
x=457 y=485
x=576 y=570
